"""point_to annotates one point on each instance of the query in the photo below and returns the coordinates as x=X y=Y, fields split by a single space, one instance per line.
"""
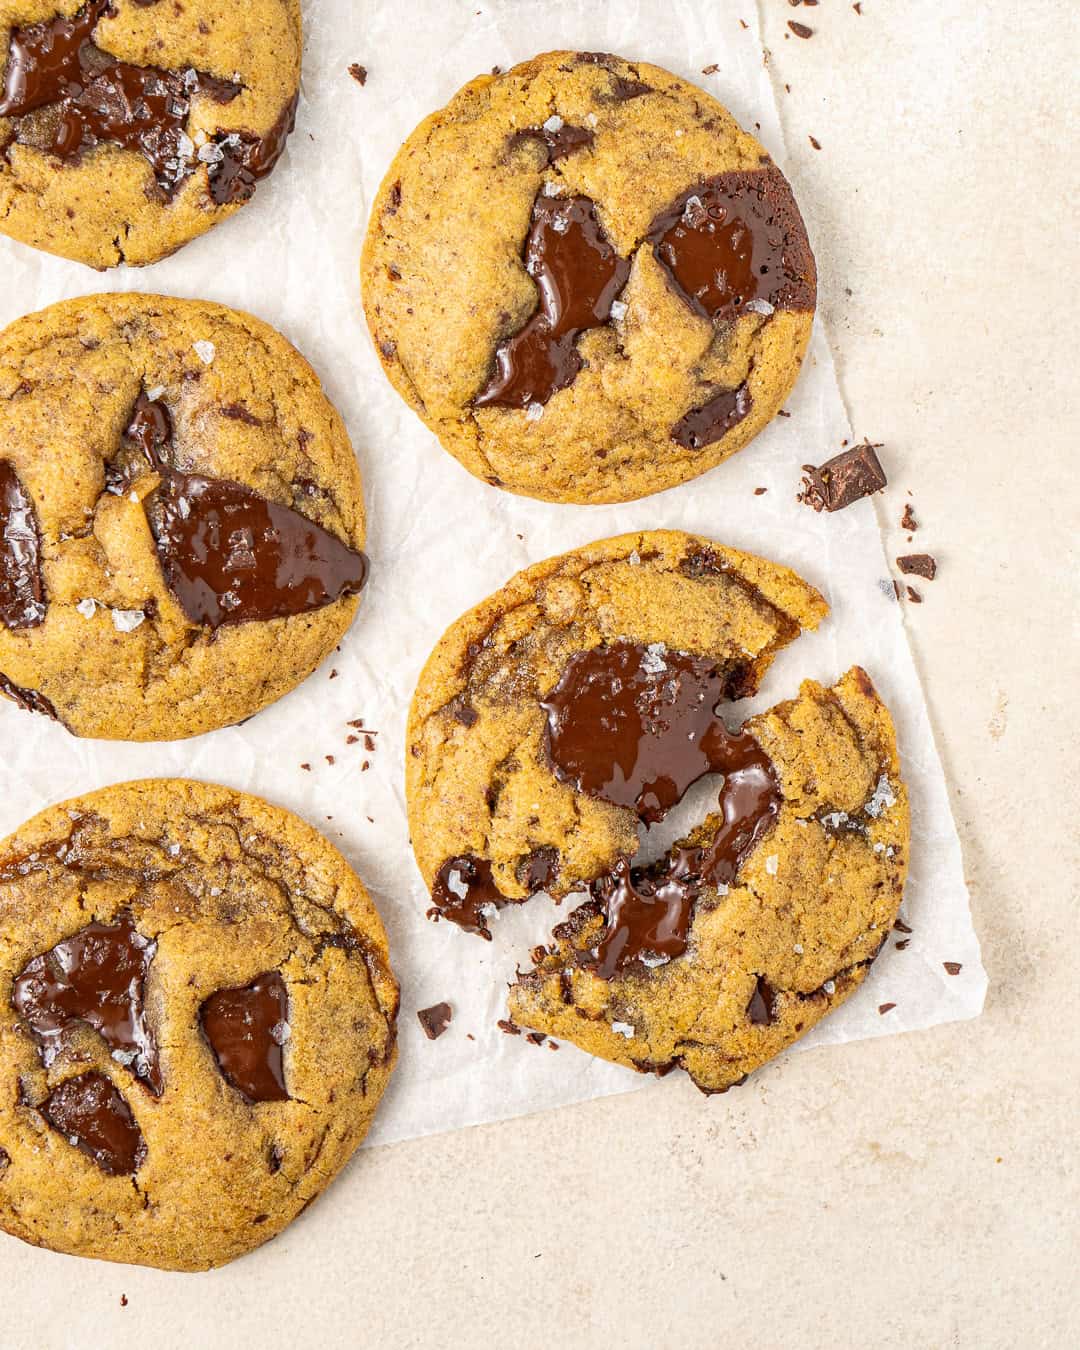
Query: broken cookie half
x=577 y=706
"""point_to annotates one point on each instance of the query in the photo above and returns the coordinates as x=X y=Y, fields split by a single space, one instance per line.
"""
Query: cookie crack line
x=67 y=95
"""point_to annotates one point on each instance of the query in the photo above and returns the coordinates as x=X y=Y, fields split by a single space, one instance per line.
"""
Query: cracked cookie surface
x=108 y=621
x=588 y=281
x=129 y=127
x=201 y=1022
x=576 y=705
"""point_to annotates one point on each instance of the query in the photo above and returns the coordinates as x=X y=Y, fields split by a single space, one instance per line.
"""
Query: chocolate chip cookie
x=588 y=281
x=128 y=127
x=200 y=1023
x=580 y=703
x=181 y=517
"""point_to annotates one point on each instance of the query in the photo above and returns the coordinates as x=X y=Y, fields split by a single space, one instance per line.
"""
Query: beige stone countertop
x=911 y=1191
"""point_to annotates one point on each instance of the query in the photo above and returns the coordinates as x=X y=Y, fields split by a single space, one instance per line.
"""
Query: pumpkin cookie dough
x=588 y=281
x=181 y=517
x=578 y=704
x=201 y=1022
x=128 y=127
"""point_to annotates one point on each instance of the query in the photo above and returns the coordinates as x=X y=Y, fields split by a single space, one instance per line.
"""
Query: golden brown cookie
x=181 y=517
x=579 y=703
x=201 y=1022
x=128 y=127
x=588 y=281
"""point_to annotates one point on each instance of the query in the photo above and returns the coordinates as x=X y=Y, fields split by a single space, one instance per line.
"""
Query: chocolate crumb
x=435 y=1019
x=333 y=675
x=535 y=1037
x=918 y=565
x=783 y=413
x=815 y=142
x=358 y=72
x=710 y=70
x=351 y=739
x=901 y=926
x=907 y=520
x=914 y=596
x=306 y=767
x=953 y=967
x=469 y=1036
x=329 y=759
x=760 y=492
x=800 y=29
x=883 y=1008
x=508 y=1027
x=123 y=1300
x=743 y=23
x=903 y=946
x=846 y=478
x=553 y=1045
x=857 y=7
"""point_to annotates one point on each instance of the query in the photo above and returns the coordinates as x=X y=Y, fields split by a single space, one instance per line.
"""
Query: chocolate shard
x=713 y=420
x=760 y=1009
x=97 y=977
x=559 y=138
x=736 y=244
x=30 y=700
x=247 y=158
x=92 y=1115
x=435 y=1019
x=246 y=1029
x=578 y=274
x=847 y=477
x=918 y=565
x=22 y=585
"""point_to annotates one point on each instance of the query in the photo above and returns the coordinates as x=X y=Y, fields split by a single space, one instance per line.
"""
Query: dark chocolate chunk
x=22 y=587
x=623 y=89
x=98 y=977
x=760 y=1008
x=953 y=967
x=539 y=869
x=245 y=158
x=5 y=1161
x=90 y=1113
x=507 y=1027
x=92 y=98
x=918 y=565
x=714 y=419
x=463 y=886
x=559 y=141
x=736 y=243
x=228 y=554
x=435 y=1019
x=71 y=96
x=914 y=596
x=246 y=1029
x=636 y=725
x=846 y=478
x=30 y=700
x=578 y=274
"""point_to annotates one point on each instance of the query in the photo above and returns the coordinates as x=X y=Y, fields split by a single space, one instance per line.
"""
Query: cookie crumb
x=358 y=72
x=435 y=1019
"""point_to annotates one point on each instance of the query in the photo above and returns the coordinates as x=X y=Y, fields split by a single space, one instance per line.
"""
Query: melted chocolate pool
x=93 y=1117
x=246 y=1029
x=578 y=273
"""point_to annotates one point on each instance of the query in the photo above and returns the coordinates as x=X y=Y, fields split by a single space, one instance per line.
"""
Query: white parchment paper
x=440 y=541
